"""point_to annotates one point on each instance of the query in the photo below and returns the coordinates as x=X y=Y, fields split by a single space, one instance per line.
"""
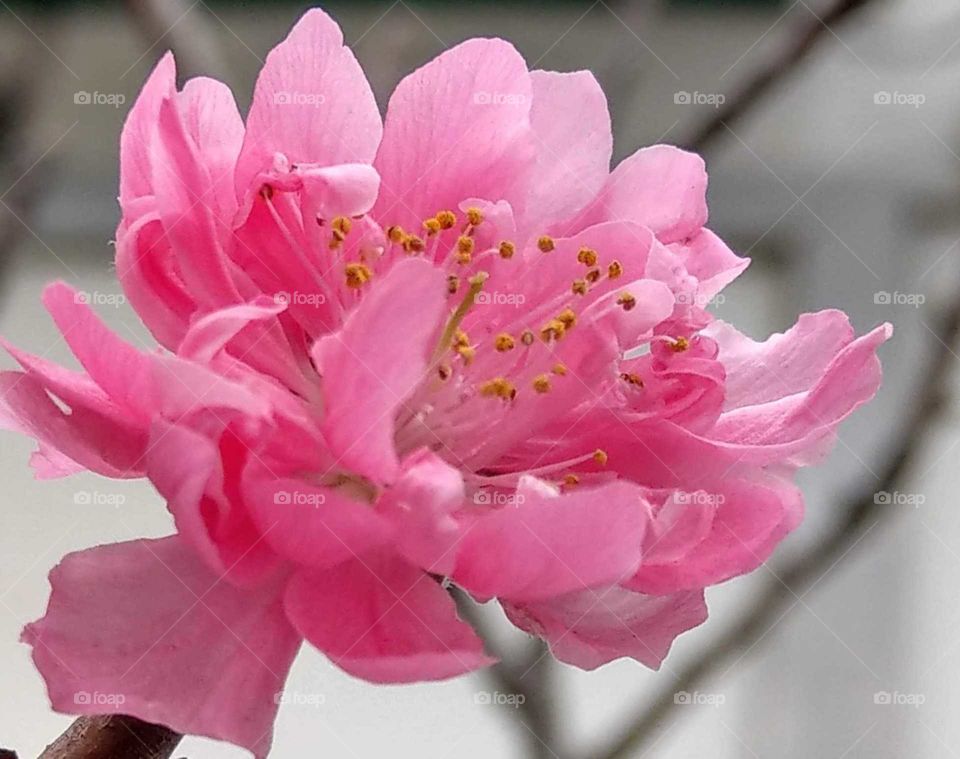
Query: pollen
x=680 y=344
x=507 y=249
x=474 y=217
x=552 y=330
x=447 y=219
x=559 y=369
x=570 y=480
x=632 y=379
x=357 y=275
x=600 y=457
x=541 y=383
x=615 y=269
x=465 y=246
x=431 y=226
x=587 y=256
x=396 y=233
x=545 y=243
x=579 y=287
x=568 y=317
x=413 y=244
x=453 y=284
x=467 y=353
x=460 y=339
x=593 y=275
x=504 y=342
x=626 y=301
x=342 y=224
x=526 y=337
x=498 y=387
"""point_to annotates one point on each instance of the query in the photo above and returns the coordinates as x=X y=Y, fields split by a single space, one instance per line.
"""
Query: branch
x=113 y=737
x=806 y=570
x=802 y=42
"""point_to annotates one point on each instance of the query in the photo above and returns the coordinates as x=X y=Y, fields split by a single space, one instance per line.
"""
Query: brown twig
x=801 y=43
x=113 y=737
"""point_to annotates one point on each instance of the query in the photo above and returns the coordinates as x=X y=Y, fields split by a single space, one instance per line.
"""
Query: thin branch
x=803 y=40
x=860 y=514
x=113 y=737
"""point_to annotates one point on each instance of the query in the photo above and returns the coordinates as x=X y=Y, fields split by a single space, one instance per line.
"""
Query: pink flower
x=453 y=345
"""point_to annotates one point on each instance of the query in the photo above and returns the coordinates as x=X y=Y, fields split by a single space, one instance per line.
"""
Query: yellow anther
x=498 y=387
x=552 y=330
x=680 y=344
x=593 y=275
x=626 y=301
x=600 y=457
x=357 y=275
x=465 y=246
x=432 y=226
x=632 y=379
x=396 y=233
x=474 y=217
x=587 y=256
x=467 y=354
x=526 y=337
x=541 y=383
x=504 y=342
x=559 y=369
x=453 y=284
x=341 y=224
x=413 y=244
x=507 y=249
x=568 y=317
x=579 y=287
x=444 y=371
x=545 y=243
x=570 y=480
x=460 y=339
x=615 y=269
x=336 y=239
x=447 y=219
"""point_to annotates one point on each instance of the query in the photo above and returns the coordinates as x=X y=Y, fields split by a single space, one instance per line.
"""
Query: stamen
x=632 y=379
x=413 y=244
x=600 y=457
x=465 y=246
x=570 y=481
x=545 y=243
x=579 y=287
x=526 y=337
x=504 y=342
x=614 y=270
x=559 y=369
x=357 y=275
x=431 y=226
x=541 y=383
x=498 y=387
x=447 y=219
x=396 y=233
x=342 y=224
x=593 y=275
x=626 y=301
x=552 y=330
x=568 y=317
x=507 y=249
x=680 y=344
x=467 y=353
x=453 y=284
x=474 y=217
x=587 y=256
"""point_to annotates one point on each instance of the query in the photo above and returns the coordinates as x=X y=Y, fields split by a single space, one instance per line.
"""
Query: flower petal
x=145 y=629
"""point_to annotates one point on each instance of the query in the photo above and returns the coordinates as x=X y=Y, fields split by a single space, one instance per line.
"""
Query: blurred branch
x=784 y=62
x=528 y=677
x=182 y=28
x=807 y=570
x=113 y=737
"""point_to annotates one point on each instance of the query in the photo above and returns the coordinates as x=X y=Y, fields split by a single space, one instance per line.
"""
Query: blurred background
x=842 y=182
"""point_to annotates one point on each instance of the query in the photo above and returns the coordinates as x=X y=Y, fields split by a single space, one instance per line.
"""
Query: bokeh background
x=843 y=185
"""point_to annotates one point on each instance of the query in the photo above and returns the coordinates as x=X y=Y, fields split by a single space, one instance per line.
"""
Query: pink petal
x=375 y=362
x=543 y=546
x=311 y=103
x=457 y=128
x=574 y=143
x=661 y=187
x=714 y=265
x=144 y=628
x=590 y=628
x=385 y=621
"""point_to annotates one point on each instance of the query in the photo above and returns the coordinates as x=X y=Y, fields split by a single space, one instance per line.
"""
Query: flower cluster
x=447 y=347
